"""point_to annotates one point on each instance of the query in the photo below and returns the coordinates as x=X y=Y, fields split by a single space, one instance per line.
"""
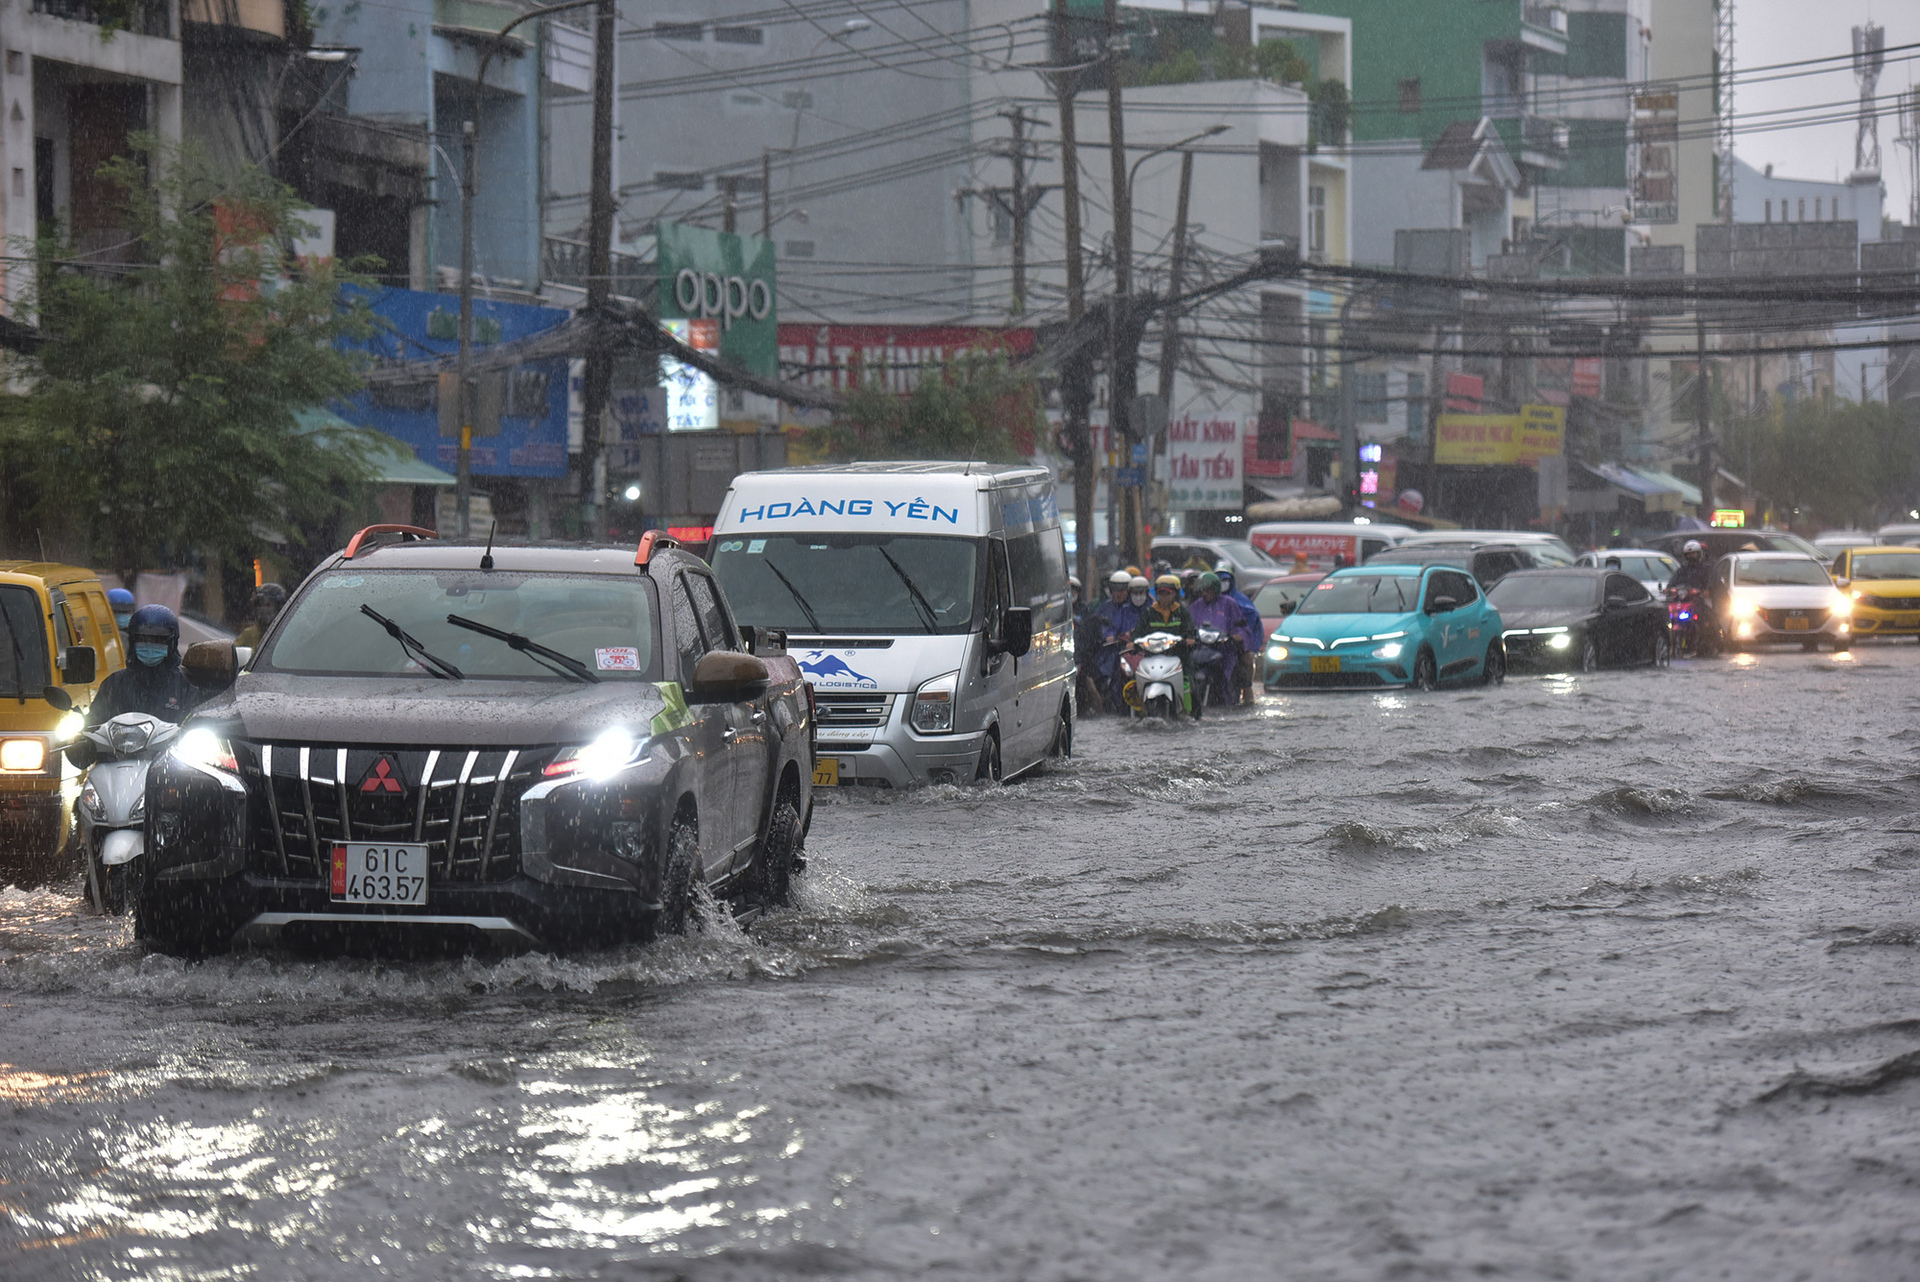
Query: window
x=24 y=666
x=1410 y=96
x=686 y=629
x=676 y=180
x=1370 y=398
x=715 y=631
x=996 y=593
x=1619 y=585
x=1039 y=567
x=1316 y=220
x=739 y=35
x=1769 y=205
x=676 y=30
x=1816 y=209
x=1803 y=209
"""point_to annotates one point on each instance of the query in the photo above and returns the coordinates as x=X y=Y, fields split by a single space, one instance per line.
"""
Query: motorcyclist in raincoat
x=1213 y=610
x=1110 y=627
x=1256 y=631
x=152 y=681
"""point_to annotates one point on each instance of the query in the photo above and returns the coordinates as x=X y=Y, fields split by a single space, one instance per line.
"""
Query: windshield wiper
x=432 y=662
x=797 y=598
x=919 y=599
x=565 y=664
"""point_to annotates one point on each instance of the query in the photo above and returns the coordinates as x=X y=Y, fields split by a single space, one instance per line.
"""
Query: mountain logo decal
x=831 y=669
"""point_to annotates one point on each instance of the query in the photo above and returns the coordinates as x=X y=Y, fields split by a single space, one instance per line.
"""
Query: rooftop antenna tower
x=1909 y=138
x=1723 y=105
x=1869 y=56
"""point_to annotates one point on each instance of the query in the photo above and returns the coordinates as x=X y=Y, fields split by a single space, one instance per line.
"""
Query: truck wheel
x=678 y=911
x=779 y=856
x=988 y=771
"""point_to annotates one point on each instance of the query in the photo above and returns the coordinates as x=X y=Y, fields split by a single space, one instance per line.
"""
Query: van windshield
x=24 y=666
x=815 y=583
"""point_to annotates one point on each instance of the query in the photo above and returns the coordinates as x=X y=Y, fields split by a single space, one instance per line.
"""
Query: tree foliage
x=1829 y=462
x=974 y=407
x=160 y=409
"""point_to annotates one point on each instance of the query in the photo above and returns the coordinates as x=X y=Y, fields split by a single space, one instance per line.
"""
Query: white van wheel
x=988 y=771
x=1062 y=746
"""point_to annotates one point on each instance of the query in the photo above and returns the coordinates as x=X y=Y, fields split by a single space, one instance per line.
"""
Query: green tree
x=975 y=406
x=1829 y=462
x=159 y=412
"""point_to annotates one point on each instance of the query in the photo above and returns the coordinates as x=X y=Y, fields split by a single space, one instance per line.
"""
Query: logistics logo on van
x=907 y=510
x=831 y=669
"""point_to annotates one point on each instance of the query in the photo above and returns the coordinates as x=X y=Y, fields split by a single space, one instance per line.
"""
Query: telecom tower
x=1909 y=138
x=1723 y=105
x=1869 y=55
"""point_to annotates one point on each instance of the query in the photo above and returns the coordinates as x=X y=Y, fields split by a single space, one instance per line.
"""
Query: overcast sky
x=1774 y=31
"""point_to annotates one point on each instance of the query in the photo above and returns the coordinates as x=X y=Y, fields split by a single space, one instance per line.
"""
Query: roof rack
x=651 y=542
x=404 y=531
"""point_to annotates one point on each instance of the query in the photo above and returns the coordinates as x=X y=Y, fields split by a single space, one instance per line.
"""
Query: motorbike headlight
x=1391 y=650
x=1277 y=653
x=139 y=810
x=606 y=756
x=205 y=750
x=933 y=705
x=1560 y=641
x=90 y=802
x=23 y=755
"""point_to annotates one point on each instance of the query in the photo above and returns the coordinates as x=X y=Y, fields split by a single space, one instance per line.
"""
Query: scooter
x=113 y=802
x=1213 y=662
x=1690 y=621
x=1158 y=687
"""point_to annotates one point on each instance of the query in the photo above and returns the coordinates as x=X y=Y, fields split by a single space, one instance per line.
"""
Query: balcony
x=142 y=17
x=564 y=262
x=478 y=16
x=1543 y=27
x=1539 y=142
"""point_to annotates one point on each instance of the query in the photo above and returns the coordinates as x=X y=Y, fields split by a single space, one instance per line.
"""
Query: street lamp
x=469 y=188
x=1211 y=132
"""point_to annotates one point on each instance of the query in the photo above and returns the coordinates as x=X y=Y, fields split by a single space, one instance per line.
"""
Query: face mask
x=151 y=653
x=121 y=619
x=1138 y=598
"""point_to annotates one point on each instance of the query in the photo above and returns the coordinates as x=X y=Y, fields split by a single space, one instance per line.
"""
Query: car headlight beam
x=1559 y=641
x=23 y=756
x=202 y=749
x=607 y=755
x=1277 y=653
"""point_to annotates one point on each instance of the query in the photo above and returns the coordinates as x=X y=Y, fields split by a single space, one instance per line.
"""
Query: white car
x=1764 y=598
x=1548 y=550
x=1649 y=565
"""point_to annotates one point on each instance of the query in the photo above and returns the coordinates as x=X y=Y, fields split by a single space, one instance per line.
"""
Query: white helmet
x=1119 y=579
x=1140 y=581
x=1692 y=546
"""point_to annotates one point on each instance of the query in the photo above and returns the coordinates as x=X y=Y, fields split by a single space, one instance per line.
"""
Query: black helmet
x=270 y=594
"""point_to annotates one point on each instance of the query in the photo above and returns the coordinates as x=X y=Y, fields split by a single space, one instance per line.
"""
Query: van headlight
x=23 y=756
x=933 y=705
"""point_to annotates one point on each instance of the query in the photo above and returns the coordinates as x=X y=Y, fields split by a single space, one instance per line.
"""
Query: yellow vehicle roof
x=48 y=571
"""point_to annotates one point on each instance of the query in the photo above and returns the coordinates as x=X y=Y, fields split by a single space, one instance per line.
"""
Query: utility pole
x=599 y=372
x=1122 y=368
x=1019 y=210
x=463 y=469
x=1702 y=416
x=766 y=193
x=1170 y=321
x=729 y=203
x=1076 y=373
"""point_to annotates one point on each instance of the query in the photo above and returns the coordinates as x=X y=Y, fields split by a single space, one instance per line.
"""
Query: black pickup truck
x=536 y=746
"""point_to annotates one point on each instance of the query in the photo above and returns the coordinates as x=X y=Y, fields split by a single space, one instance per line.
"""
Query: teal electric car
x=1388 y=625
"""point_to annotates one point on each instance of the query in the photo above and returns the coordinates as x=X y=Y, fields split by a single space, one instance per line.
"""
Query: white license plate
x=374 y=872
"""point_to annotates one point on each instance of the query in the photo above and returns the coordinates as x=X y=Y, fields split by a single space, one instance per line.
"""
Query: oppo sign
x=727 y=280
x=709 y=295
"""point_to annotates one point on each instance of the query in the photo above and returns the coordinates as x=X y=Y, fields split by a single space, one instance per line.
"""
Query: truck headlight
x=1277 y=653
x=205 y=750
x=23 y=755
x=606 y=756
x=933 y=705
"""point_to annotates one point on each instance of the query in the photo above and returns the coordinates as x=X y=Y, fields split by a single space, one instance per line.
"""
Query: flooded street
x=1592 y=977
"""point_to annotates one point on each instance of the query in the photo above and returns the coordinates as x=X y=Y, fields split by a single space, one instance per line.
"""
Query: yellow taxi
x=58 y=642
x=1884 y=583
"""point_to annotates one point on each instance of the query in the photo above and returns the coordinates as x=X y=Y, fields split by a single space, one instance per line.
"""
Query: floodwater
x=1598 y=977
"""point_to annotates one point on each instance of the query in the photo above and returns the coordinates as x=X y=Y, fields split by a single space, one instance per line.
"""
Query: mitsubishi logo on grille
x=383 y=777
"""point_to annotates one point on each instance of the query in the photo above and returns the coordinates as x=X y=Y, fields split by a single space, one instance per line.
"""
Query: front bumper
x=1773 y=627
x=1875 y=621
x=897 y=758
x=1536 y=650
x=1358 y=670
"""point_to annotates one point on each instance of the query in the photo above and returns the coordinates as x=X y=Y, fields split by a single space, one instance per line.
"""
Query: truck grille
x=464 y=804
x=838 y=711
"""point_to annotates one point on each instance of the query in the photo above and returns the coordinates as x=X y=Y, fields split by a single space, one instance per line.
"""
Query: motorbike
x=1690 y=622
x=113 y=802
x=1213 y=655
x=1157 y=685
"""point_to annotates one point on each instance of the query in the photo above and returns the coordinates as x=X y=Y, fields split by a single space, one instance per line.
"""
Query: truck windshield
x=817 y=583
x=606 y=624
x=25 y=668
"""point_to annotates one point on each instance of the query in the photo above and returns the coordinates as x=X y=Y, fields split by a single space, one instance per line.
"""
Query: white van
x=927 y=605
x=1322 y=541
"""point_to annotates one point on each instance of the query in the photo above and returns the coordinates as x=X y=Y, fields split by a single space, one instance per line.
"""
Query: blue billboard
x=528 y=401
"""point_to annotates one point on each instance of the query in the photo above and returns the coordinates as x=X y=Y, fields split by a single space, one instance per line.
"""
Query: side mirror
x=1842 y=582
x=210 y=665
x=78 y=665
x=1017 y=624
x=1442 y=604
x=727 y=676
x=59 y=698
x=1616 y=602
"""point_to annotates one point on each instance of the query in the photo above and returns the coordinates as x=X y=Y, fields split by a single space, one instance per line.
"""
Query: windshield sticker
x=617 y=658
x=915 y=509
x=829 y=671
x=755 y=547
x=732 y=545
x=1323 y=587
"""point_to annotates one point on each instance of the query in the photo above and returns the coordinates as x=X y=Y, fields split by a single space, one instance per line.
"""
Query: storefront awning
x=394 y=463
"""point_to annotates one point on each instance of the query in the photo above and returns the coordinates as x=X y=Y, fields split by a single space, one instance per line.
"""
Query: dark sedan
x=1488 y=563
x=1580 y=618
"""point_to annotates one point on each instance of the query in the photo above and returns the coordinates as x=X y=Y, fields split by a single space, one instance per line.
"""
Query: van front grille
x=839 y=711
